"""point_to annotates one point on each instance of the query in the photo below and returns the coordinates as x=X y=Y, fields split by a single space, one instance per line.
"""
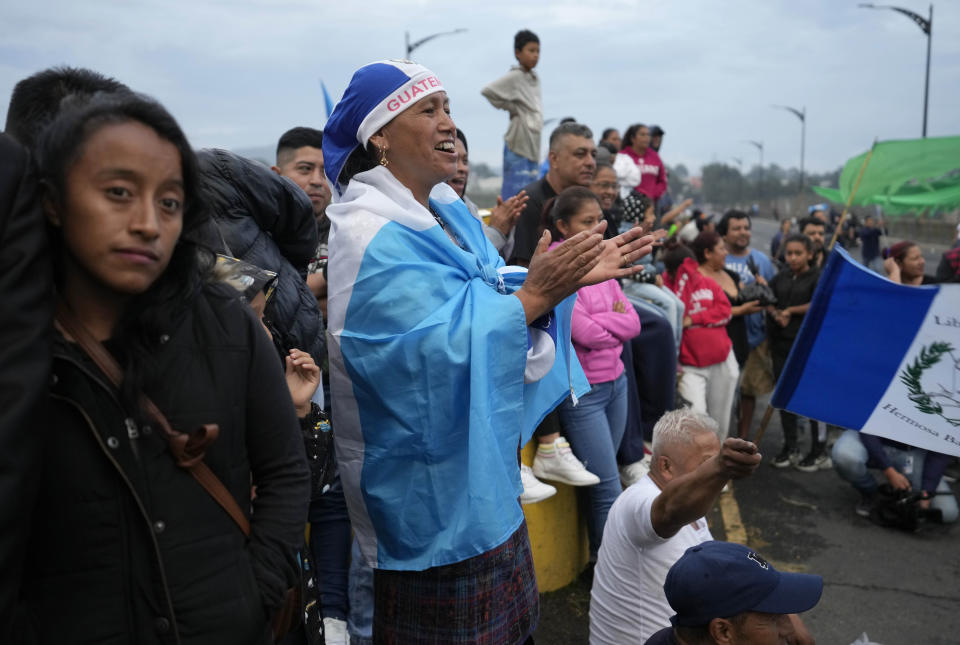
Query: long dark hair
x=362 y=159
x=629 y=134
x=564 y=206
x=675 y=252
x=148 y=316
x=705 y=241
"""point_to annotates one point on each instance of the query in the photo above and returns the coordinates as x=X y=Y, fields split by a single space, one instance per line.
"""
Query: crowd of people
x=188 y=334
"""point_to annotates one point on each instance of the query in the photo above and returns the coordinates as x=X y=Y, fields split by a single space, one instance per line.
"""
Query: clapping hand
x=504 y=215
x=584 y=259
x=618 y=255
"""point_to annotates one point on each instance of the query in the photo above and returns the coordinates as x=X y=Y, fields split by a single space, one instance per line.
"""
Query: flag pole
x=764 y=422
x=856 y=185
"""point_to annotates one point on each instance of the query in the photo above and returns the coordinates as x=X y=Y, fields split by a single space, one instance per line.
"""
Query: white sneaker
x=560 y=464
x=534 y=490
x=632 y=473
x=335 y=632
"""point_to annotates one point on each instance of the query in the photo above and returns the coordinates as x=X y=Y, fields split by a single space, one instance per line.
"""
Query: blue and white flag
x=327 y=101
x=436 y=378
x=879 y=357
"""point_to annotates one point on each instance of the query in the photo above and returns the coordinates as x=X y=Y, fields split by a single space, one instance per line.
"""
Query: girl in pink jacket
x=603 y=320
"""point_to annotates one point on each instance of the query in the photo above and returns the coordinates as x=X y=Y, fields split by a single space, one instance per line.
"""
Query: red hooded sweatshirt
x=705 y=342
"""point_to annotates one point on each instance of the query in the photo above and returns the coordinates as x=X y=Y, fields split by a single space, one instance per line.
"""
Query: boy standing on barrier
x=518 y=92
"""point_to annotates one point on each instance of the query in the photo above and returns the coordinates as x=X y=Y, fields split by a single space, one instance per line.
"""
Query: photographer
x=905 y=468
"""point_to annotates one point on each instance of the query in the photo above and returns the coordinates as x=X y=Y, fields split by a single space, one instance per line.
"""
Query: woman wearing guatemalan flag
x=442 y=363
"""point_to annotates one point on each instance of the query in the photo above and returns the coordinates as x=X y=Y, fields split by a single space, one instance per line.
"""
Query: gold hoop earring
x=383 y=157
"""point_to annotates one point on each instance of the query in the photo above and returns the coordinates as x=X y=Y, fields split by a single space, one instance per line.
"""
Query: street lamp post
x=759 y=146
x=802 y=115
x=414 y=45
x=925 y=24
x=739 y=163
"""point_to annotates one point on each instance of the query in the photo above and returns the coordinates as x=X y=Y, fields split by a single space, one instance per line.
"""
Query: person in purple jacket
x=603 y=320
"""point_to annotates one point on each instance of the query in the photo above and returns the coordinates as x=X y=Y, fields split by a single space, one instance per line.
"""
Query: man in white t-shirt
x=654 y=521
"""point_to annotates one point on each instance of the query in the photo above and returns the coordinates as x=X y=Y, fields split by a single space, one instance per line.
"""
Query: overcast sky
x=238 y=73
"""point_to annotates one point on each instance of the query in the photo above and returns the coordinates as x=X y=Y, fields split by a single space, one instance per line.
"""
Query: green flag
x=902 y=176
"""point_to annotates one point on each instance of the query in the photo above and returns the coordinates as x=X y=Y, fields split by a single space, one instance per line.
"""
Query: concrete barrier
x=558 y=534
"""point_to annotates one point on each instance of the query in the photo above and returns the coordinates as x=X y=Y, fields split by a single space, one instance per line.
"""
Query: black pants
x=778 y=354
x=650 y=360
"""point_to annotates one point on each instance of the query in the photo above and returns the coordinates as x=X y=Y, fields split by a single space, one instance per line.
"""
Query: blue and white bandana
x=377 y=93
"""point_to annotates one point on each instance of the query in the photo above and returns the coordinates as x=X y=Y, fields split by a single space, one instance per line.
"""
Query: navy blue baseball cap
x=722 y=579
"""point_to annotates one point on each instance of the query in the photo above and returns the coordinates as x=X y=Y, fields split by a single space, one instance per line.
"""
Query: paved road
x=899 y=588
x=765 y=229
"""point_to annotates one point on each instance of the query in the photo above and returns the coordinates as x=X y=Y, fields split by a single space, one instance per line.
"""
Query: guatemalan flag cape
x=879 y=357
x=436 y=378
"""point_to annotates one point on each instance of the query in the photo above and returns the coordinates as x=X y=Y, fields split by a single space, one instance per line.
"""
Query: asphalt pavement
x=764 y=230
x=900 y=588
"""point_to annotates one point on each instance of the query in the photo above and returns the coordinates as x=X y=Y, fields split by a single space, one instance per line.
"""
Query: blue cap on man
x=723 y=579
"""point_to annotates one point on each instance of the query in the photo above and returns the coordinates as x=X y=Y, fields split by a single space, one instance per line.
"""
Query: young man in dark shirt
x=870 y=244
x=815 y=229
x=793 y=287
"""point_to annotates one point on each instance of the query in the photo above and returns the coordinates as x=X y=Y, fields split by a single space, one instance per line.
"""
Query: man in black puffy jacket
x=267 y=221
x=25 y=325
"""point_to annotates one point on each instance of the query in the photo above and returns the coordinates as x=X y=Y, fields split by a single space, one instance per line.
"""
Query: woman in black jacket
x=125 y=545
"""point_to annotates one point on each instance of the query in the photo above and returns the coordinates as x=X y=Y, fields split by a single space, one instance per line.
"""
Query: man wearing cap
x=665 y=202
x=655 y=520
x=656 y=137
x=726 y=594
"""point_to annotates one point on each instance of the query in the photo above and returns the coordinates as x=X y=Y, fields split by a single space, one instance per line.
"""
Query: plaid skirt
x=489 y=599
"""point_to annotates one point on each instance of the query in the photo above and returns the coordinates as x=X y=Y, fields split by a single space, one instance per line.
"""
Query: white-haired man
x=654 y=521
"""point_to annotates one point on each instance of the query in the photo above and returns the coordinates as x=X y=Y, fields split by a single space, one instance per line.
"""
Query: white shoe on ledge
x=558 y=463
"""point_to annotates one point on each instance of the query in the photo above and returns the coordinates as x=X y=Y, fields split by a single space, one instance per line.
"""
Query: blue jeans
x=360 y=620
x=594 y=429
x=517 y=173
x=850 y=458
x=330 y=544
x=644 y=294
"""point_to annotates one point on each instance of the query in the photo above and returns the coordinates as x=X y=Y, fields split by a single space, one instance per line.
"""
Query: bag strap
x=188 y=449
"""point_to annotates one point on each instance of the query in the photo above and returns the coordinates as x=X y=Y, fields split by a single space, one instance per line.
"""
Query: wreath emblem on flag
x=945 y=398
